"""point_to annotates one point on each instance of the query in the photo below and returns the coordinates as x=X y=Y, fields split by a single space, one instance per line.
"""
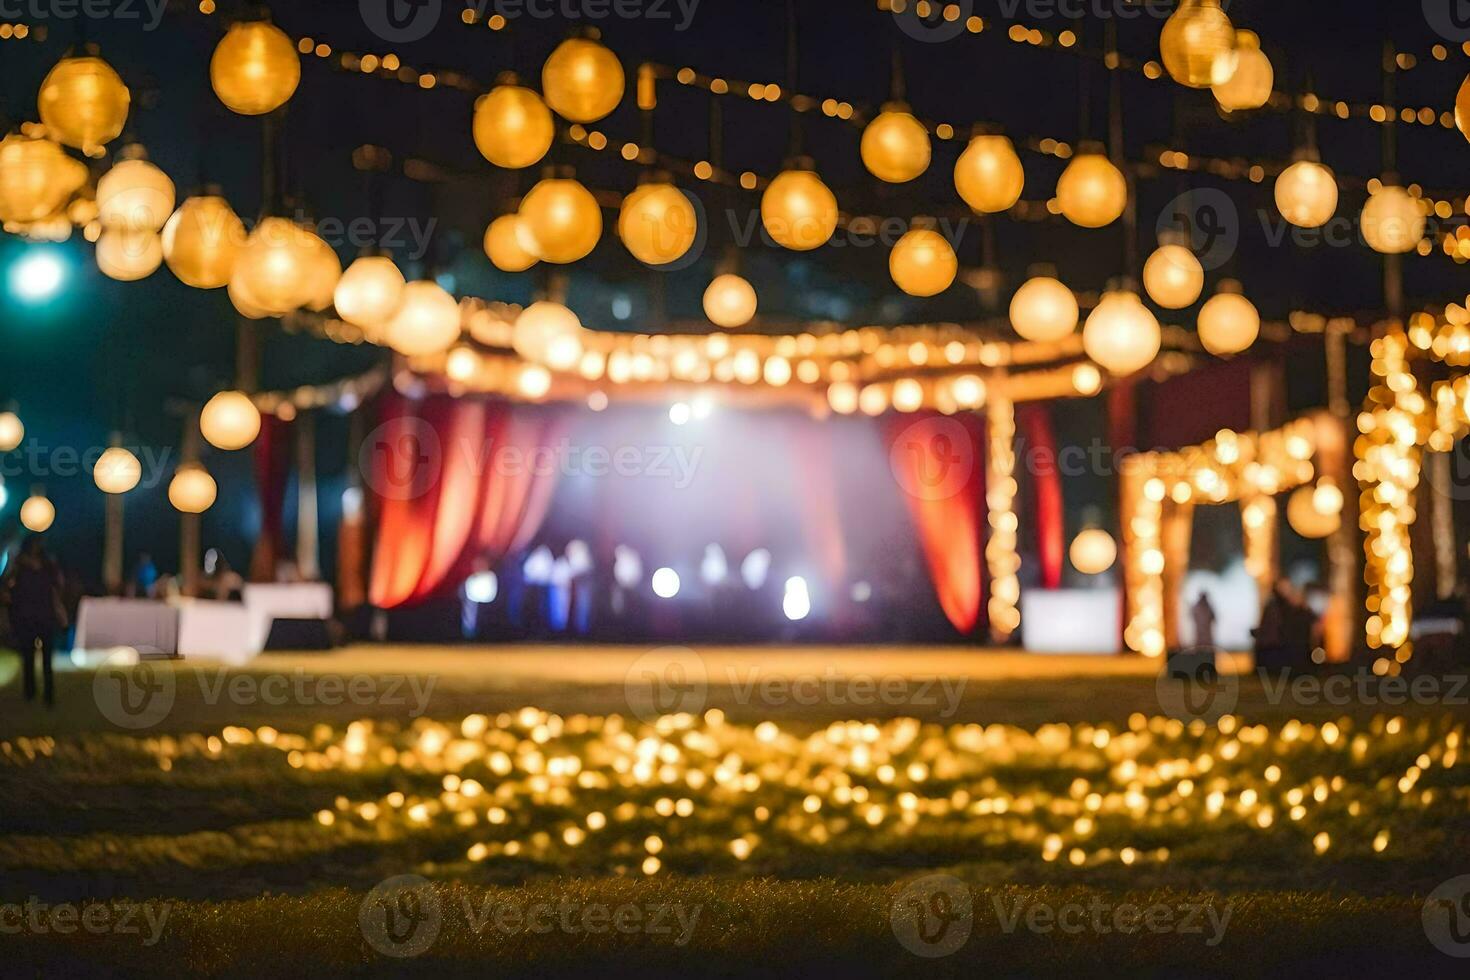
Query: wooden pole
x=189 y=524
x=308 y=535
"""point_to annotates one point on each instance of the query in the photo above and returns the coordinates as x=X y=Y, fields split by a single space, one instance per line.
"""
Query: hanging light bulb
x=117 y=471
x=1327 y=497
x=1093 y=551
x=1250 y=86
x=255 y=69
x=245 y=304
x=83 y=103
x=1198 y=44
x=1462 y=108
x=1173 y=277
x=462 y=364
x=1044 y=309
x=923 y=263
x=1121 y=334
x=192 y=490
x=134 y=196
x=895 y=146
x=323 y=274
x=128 y=256
x=989 y=175
x=583 y=80
x=275 y=266
x=1092 y=192
x=1086 y=379
x=1306 y=194
x=798 y=211
x=842 y=396
x=548 y=333
x=1393 y=222
x=36 y=178
x=560 y=221
x=369 y=292
x=657 y=223
x=968 y=391
x=503 y=245
x=202 y=240
x=730 y=301
x=12 y=431
x=37 y=514
x=426 y=323
x=229 y=421
x=1304 y=517
x=513 y=127
x=1228 y=322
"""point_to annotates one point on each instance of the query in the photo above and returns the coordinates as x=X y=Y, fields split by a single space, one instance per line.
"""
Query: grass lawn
x=765 y=835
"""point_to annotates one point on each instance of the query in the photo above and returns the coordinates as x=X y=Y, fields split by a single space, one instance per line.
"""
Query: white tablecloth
x=145 y=625
x=1071 y=620
x=226 y=631
x=298 y=600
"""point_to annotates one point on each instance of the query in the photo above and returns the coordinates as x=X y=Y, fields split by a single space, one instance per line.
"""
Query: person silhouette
x=33 y=588
x=1203 y=615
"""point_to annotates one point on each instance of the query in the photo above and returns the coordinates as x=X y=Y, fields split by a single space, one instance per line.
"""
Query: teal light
x=37 y=276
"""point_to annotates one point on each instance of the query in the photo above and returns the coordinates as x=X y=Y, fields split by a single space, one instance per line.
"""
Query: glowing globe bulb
x=730 y=301
x=908 y=395
x=255 y=68
x=37 y=514
x=560 y=221
x=843 y=397
x=657 y=223
x=513 y=127
x=989 y=175
x=117 y=471
x=128 y=256
x=798 y=211
x=1121 y=334
x=275 y=266
x=1092 y=192
x=1306 y=194
x=583 y=80
x=324 y=271
x=83 y=103
x=1462 y=108
x=1393 y=222
x=968 y=391
x=37 y=277
x=134 y=196
x=1198 y=44
x=923 y=263
x=1044 y=309
x=462 y=364
x=369 y=292
x=36 y=178
x=1173 y=277
x=665 y=583
x=12 y=431
x=548 y=333
x=192 y=490
x=1327 y=498
x=1250 y=86
x=229 y=421
x=534 y=381
x=895 y=146
x=1304 y=517
x=503 y=245
x=202 y=240
x=1086 y=379
x=427 y=322
x=1228 y=324
x=1093 y=551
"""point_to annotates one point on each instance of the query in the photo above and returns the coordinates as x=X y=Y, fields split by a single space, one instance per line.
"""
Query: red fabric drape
x=1034 y=421
x=459 y=480
x=272 y=452
x=939 y=463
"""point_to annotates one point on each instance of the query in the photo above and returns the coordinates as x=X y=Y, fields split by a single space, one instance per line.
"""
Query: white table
x=295 y=600
x=148 y=626
x=1072 y=620
x=226 y=631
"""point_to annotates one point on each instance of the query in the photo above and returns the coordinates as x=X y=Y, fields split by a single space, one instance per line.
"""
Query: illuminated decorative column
x=1175 y=532
x=1142 y=503
x=1001 y=558
x=1260 y=524
x=1334 y=459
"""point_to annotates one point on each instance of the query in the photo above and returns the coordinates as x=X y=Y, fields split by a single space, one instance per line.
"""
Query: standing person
x=33 y=587
x=1204 y=621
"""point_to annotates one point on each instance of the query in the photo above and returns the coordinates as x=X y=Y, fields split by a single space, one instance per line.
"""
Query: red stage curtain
x=1034 y=422
x=459 y=479
x=940 y=466
x=272 y=451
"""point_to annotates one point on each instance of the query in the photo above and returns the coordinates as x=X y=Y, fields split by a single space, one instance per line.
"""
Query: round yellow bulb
x=895 y=146
x=1393 y=222
x=134 y=196
x=923 y=263
x=369 y=292
x=1198 y=44
x=83 y=103
x=229 y=421
x=12 y=431
x=128 y=256
x=503 y=245
x=117 y=471
x=1092 y=192
x=192 y=490
x=560 y=221
x=36 y=178
x=1044 y=309
x=730 y=302
x=37 y=514
x=1093 y=551
x=658 y=224
x=798 y=211
x=1250 y=86
x=1173 y=277
x=427 y=322
x=1228 y=324
x=255 y=68
x=202 y=240
x=1304 y=517
x=1306 y=194
x=583 y=80
x=1121 y=334
x=513 y=127
x=989 y=175
x=275 y=266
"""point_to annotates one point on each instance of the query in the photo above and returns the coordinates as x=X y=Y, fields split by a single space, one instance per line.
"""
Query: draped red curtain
x=272 y=451
x=1034 y=422
x=459 y=480
x=939 y=463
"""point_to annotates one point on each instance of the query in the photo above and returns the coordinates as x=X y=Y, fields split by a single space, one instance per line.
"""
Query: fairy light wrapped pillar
x=1001 y=559
x=1260 y=526
x=1175 y=533
x=1141 y=499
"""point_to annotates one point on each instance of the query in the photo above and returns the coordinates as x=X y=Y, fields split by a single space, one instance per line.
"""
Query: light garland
x=1002 y=560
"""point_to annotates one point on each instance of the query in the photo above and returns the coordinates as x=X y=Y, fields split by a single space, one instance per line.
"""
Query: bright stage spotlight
x=679 y=413
x=755 y=567
x=665 y=583
x=482 y=588
x=37 y=277
x=797 y=604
